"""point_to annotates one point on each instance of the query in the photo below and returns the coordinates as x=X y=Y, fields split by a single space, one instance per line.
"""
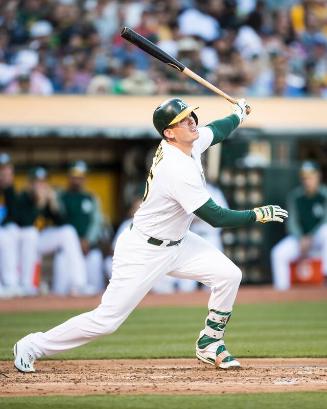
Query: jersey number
x=156 y=159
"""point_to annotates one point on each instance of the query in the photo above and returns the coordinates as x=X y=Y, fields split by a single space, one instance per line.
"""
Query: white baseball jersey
x=175 y=188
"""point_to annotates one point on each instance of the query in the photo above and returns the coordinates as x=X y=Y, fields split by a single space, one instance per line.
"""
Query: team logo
x=87 y=205
x=318 y=210
x=182 y=105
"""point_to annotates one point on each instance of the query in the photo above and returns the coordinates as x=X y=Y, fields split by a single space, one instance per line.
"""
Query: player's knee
x=278 y=251
x=30 y=234
x=2 y=235
x=323 y=230
x=68 y=233
x=232 y=275
x=235 y=274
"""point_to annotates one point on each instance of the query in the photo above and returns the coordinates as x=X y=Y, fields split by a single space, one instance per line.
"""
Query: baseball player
x=82 y=211
x=307 y=226
x=42 y=232
x=159 y=242
x=9 y=277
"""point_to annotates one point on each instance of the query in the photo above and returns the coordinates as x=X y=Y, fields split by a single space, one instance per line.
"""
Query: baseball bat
x=150 y=48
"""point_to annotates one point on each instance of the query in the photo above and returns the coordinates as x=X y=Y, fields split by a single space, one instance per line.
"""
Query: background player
x=82 y=211
x=307 y=226
x=159 y=242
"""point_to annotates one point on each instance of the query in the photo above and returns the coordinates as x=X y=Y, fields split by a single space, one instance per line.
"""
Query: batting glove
x=271 y=213
x=241 y=109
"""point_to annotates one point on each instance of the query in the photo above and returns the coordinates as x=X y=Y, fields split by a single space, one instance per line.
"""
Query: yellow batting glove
x=270 y=213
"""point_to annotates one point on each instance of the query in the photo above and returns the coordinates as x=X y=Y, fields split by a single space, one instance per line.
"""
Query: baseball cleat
x=216 y=354
x=23 y=360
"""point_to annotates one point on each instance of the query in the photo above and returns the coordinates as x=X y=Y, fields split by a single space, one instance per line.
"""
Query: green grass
x=303 y=400
x=262 y=330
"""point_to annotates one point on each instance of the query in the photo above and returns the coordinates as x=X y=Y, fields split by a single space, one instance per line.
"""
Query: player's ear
x=168 y=134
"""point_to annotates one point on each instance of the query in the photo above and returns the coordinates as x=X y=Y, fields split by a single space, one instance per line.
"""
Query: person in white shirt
x=159 y=242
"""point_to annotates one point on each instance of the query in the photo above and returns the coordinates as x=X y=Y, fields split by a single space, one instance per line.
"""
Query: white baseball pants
x=63 y=281
x=137 y=265
x=70 y=266
x=288 y=250
x=9 y=256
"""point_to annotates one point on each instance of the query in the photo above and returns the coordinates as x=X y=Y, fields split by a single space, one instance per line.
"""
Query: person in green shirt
x=307 y=226
x=82 y=211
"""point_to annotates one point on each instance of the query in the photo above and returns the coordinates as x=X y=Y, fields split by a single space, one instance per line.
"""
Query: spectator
x=34 y=83
x=62 y=45
x=82 y=211
x=307 y=226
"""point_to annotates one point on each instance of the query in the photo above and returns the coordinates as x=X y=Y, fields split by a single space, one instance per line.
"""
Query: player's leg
x=94 y=268
x=320 y=242
x=29 y=257
x=282 y=254
x=136 y=267
x=64 y=239
x=61 y=279
x=9 y=277
x=199 y=260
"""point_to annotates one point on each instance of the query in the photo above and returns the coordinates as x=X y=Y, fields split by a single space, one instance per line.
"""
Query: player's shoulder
x=323 y=190
x=296 y=193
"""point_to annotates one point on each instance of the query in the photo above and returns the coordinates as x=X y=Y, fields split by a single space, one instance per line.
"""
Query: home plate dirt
x=163 y=376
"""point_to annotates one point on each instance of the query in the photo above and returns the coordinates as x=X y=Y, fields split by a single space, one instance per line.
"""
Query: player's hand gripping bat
x=150 y=48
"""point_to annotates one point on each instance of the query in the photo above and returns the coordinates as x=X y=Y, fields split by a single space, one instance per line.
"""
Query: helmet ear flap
x=195 y=117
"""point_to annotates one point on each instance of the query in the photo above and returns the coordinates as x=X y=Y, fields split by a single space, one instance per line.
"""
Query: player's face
x=6 y=175
x=310 y=181
x=184 y=132
x=76 y=182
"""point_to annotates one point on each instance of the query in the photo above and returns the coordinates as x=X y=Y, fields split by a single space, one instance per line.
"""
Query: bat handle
x=207 y=84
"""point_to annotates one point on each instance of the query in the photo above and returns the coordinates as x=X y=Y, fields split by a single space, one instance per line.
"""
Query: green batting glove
x=270 y=213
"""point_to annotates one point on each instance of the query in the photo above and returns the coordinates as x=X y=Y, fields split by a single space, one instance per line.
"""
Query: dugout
x=114 y=135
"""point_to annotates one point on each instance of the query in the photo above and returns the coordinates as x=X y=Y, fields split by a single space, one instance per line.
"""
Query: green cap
x=78 y=168
x=170 y=112
x=5 y=159
x=309 y=166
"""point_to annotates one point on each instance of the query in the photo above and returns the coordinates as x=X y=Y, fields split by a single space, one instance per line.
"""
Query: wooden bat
x=150 y=48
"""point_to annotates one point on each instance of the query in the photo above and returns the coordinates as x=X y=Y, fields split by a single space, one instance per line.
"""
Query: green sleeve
x=323 y=191
x=217 y=216
x=293 y=226
x=222 y=128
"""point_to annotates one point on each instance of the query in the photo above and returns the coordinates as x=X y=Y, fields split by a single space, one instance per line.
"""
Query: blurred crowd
x=246 y=47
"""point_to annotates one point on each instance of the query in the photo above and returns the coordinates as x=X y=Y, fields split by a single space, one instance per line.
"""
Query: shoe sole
x=223 y=365
x=205 y=360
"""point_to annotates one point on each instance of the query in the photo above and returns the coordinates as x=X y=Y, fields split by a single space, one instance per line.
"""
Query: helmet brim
x=182 y=115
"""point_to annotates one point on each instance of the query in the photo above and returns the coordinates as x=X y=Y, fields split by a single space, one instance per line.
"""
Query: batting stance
x=159 y=242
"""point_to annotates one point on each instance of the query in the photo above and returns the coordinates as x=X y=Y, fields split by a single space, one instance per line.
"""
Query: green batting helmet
x=170 y=112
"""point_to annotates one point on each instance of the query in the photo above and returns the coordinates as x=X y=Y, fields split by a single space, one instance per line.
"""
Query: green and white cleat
x=216 y=354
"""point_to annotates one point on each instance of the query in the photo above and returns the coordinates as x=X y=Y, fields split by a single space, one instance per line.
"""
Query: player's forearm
x=217 y=216
x=222 y=128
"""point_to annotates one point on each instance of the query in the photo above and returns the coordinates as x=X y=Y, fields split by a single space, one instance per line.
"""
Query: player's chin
x=195 y=134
